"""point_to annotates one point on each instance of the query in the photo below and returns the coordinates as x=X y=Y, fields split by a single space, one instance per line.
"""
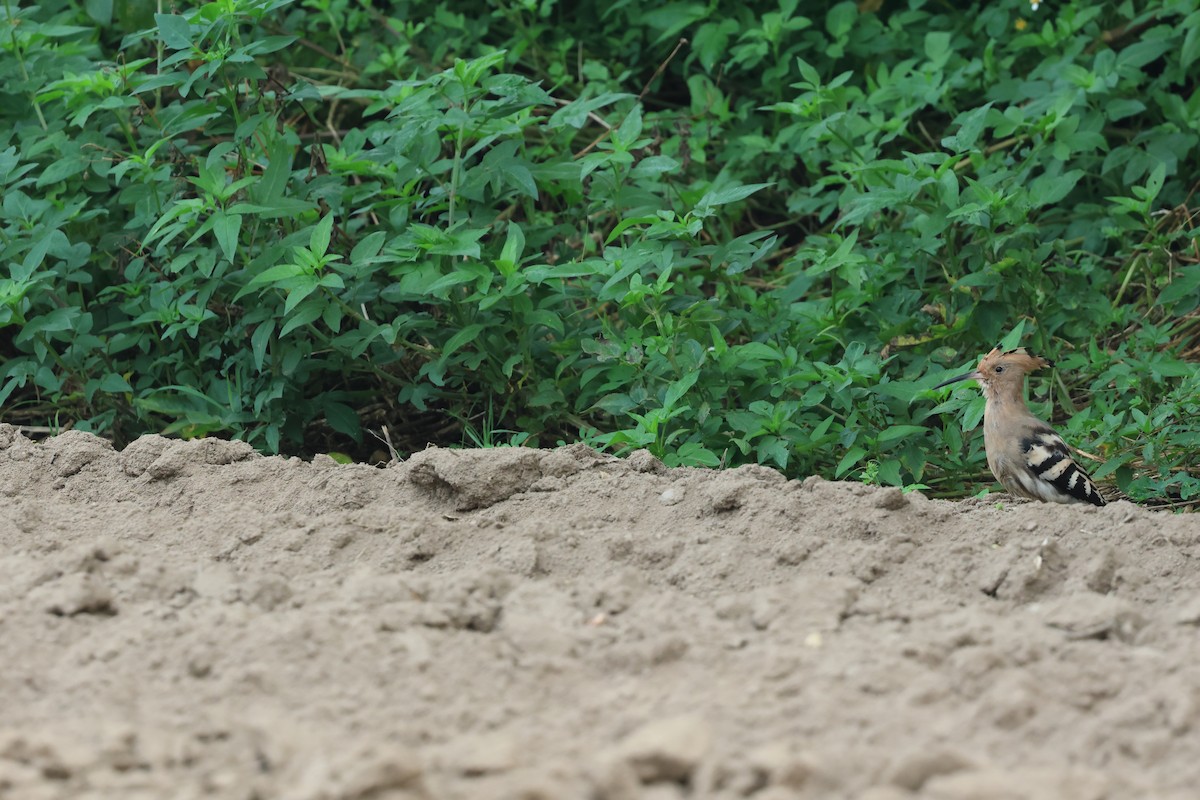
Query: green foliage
x=292 y=221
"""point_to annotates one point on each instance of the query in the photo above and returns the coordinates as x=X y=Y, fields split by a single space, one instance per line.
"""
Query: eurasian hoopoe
x=1024 y=453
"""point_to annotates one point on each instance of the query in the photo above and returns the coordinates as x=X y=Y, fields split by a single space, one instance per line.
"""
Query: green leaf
x=1013 y=337
x=299 y=290
x=889 y=472
x=306 y=312
x=278 y=274
x=34 y=258
x=937 y=47
x=259 y=341
x=318 y=241
x=174 y=30
x=808 y=72
x=628 y=223
x=693 y=454
x=678 y=389
x=575 y=114
x=1110 y=466
x=756 y=351
x=631 y=127
x=368 y=247
x=1154 y=183
x=653 y=166
x=1190 y=50
x=970 y=127
x=226 y=228
x=852 y=457
x=899 y=432
x=343 y=419
x=271 y=187
x=974 y=413
x=467 y=334
x=114 y=384
x=457 y=278
x=1049 y=189
x=61 y=170
x=101 y=11
x=55 y=321
x=1184 y=286
x=840 y=19
x=1121 y=107
x=514 y=244
x=731 y=194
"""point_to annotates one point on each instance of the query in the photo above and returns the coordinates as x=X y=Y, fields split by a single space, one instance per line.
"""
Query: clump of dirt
x=190 y=619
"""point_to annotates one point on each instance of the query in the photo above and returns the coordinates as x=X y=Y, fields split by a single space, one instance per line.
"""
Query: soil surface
x=189 y=619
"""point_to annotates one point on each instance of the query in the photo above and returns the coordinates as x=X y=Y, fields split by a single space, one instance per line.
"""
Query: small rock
x=168 y=465
x=250 y=534
x=563 y=462
x=92 y=555
x=216 y=581
x=667 y=749
x=361 y=772
x=781 y=770
x=178 y=456
x=15 y=774
x=471 y=479
x=139 y=454
x=1092 y=616
x=645 y=461
x=268 y=592
x=71 y=451
x=1101 y=572
x=26 y=759
x=80 y=593
x=532 y=783
x=993 y=575
x=890 y=499
x=672 y=496
x=759 y=474
x=1187 y=612
x=885 y=793
x=793 y=551
x=473 y=755
x=10 y=436
x=726 y=496
x=612 y=778
x=540 y=621
x=767 y=764
x=662 y=791
x=913 y=771
x=518 y=555
x=763 y=612
x=1029 y=783
x=549 y=483
x=417 y=651
x=200 y=663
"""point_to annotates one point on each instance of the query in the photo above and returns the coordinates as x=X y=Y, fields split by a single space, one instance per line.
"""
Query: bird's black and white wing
x=1053 y=474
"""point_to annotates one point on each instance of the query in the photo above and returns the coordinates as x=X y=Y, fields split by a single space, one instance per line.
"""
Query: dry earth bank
x=189 y=619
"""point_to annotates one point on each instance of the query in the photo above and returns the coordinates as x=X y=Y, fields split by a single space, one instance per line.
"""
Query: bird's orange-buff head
x=1002 y=368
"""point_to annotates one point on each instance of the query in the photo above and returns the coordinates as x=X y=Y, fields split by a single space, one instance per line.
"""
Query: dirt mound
x=189 y=619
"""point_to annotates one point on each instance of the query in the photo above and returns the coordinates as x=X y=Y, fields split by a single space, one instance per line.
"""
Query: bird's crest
x=1017 y=357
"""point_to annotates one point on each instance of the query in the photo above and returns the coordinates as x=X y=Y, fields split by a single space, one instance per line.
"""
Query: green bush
x=293 y=221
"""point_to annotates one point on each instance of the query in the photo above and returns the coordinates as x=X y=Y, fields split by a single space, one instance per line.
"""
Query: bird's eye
x=999 y=368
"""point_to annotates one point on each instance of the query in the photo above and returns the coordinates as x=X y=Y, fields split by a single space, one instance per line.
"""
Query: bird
x=1024 y=453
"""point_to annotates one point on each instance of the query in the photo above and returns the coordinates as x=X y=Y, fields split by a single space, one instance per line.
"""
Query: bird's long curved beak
x=970 y=376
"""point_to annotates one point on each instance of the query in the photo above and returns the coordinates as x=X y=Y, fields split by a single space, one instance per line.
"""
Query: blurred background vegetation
x=728 y=232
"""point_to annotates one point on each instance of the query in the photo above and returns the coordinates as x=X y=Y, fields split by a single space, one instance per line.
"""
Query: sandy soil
x=189 y=619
